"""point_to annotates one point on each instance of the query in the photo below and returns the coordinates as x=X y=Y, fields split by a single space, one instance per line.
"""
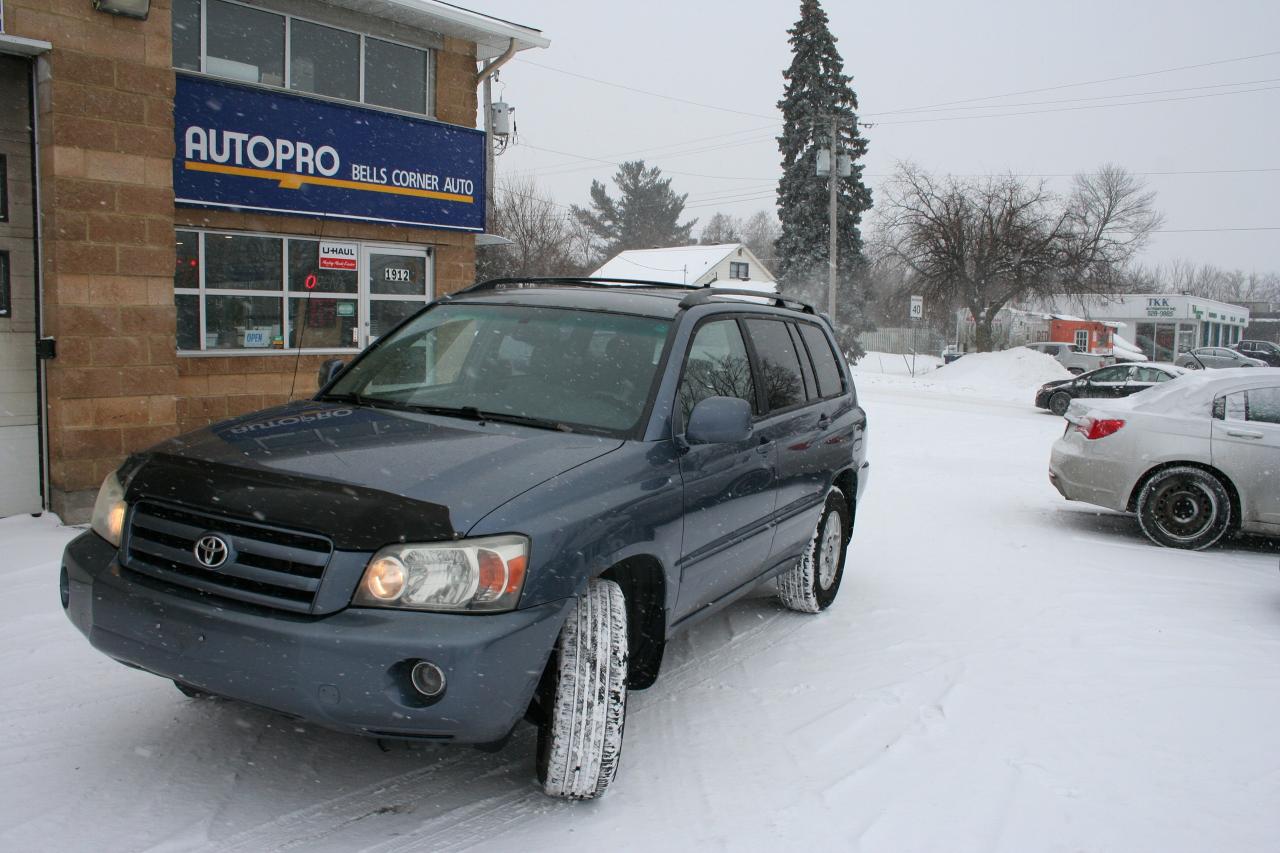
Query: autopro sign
x=247 y=148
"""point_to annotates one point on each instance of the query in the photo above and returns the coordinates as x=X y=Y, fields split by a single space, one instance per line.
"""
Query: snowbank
x=1124 y=350
x=1019 y=367
x=895 y=364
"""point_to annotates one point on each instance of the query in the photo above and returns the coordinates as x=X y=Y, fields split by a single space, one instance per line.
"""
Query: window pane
x=717 y=367
x=324 y=60
x=304 y=261
x=187 y=271
x=806 y=369
x=779 y=366
x=186 y=34
x=188 y=321
x=244 y=44
x=242 y=322
x=395 y=76
x=397 y=275
x=1264 y=405
x=384 y=315
x=245 y=263
x=317 y=323
x=830 y=381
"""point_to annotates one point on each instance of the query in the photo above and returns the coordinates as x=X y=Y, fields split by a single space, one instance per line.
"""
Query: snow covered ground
x=1003 y=671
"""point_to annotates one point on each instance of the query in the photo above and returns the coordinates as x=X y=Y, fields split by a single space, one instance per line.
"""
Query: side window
x=1264 y=405
x=830 y=379
x=1111 y=374
x=806 y=368
x=779 y=363
x=717 y=367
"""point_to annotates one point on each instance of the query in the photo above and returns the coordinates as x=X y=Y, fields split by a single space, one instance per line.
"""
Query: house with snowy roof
x=719 y=265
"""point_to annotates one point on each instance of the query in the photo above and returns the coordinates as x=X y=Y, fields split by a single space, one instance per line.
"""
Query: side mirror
x=719 y=420
x=328 y=370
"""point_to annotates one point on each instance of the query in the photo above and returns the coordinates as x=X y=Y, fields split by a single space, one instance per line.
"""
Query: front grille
x=265 y=565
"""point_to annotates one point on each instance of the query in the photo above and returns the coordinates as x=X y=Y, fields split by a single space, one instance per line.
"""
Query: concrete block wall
x=105 y=107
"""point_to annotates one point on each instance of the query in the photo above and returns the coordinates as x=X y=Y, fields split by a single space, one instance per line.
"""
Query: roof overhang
x=492 y=36
x=17 y=45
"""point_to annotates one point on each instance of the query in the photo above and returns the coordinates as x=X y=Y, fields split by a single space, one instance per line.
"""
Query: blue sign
x=250 y=149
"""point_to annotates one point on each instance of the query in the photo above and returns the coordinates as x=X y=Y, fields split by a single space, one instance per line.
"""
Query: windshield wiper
x=360 y=400
x=471 y=413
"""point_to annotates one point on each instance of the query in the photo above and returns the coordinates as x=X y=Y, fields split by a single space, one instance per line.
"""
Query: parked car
x=1070 y=356
x=1261 y=350
x=1117 y=380
x=1194 y=459
x=1216 y=358
x=502 y=509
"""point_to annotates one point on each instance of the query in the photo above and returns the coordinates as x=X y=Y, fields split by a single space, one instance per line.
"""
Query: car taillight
x=1096 y=428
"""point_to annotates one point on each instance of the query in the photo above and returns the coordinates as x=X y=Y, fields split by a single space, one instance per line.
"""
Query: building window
x=740 y=270
x=1082 y=340
x=4 y=284
x=262 y=293
x=253 y=45
x=4 y=188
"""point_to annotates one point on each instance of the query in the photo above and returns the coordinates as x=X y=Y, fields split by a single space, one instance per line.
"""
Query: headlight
x=484 y=575
x=109 y=510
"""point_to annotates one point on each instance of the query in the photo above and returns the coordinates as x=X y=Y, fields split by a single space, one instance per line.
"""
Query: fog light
x=427 y=679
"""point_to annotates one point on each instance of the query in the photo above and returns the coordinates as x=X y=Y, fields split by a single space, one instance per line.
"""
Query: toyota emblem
x=211 y=551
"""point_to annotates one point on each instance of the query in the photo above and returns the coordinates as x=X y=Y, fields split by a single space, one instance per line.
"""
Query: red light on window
x=311 y=281
x=193 y=263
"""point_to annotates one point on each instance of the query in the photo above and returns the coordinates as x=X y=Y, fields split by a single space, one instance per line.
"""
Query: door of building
x=19 y=410
x=400 y=281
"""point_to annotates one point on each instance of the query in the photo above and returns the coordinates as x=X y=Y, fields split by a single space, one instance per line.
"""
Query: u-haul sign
x=338 y=256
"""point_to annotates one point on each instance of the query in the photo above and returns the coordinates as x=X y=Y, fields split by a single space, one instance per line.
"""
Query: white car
x=1194 y=458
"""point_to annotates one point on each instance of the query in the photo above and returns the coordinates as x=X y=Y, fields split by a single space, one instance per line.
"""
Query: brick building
x=202 y=205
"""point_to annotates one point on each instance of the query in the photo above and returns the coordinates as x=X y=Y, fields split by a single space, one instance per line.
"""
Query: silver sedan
x=1194 y=458
x=1216 y=357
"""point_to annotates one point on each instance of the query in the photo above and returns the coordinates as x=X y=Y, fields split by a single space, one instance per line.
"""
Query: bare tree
x=984 y=243
x=759 y=232
x=721 y=228
x=546 y=239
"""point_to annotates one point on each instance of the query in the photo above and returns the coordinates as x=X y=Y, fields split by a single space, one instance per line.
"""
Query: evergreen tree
x=817 y=90
x=645 y=215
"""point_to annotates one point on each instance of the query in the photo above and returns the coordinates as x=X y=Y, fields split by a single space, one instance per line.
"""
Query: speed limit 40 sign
x=917 y=307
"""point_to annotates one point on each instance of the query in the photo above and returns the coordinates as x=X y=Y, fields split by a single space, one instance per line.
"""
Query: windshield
x=564 y=368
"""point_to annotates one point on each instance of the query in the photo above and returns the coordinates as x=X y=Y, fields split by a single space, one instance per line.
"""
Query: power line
x=1087 y=82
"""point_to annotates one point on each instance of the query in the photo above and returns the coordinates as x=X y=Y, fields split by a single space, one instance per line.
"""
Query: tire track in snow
x=480 y=821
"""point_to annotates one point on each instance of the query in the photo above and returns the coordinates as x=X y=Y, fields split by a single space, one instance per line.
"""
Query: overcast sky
x=907 y=56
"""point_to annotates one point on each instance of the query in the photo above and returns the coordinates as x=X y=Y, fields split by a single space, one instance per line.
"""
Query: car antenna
x=309 y=283
x=1192 y=353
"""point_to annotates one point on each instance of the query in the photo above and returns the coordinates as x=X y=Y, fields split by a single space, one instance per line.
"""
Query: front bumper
x=346 y=671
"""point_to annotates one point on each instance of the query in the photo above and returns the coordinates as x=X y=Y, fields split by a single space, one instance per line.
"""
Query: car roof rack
x=707 y=293
x=525 y=282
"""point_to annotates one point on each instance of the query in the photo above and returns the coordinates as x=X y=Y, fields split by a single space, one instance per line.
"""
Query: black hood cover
x=363 y=477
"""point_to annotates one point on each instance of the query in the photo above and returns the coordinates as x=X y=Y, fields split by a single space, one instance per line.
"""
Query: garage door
x=19 y=422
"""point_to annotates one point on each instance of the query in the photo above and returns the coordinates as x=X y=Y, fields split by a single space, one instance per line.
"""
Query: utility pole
x=832 y=248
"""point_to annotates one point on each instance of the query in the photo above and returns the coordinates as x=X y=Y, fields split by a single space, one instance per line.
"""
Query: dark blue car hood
x=356 y=474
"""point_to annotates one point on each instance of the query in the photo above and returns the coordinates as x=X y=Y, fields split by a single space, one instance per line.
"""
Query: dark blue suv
x=501 y=510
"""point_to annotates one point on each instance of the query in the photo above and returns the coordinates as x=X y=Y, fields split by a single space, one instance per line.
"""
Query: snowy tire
x=1059 y=403
x=1184 y=507
x=811 y=585
x=580 y=735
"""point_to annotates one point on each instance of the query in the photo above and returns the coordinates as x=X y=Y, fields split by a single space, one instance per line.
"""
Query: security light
x=128 y=8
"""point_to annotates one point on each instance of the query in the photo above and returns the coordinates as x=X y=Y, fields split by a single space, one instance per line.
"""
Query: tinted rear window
x=830 y=381
x=779 y=364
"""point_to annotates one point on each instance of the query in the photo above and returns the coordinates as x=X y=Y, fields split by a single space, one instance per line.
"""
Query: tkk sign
x=1159 y=307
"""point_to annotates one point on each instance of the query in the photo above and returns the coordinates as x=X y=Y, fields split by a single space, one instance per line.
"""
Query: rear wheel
x=811 y=585
x=1059 y=403
x=580 y=731
x=1184 y=507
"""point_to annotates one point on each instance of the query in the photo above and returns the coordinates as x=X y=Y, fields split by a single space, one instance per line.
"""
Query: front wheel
x=580 y=733
x=1184 y=507
x=811 y=584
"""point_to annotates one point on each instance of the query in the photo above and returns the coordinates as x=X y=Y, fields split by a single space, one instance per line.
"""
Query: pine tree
x=817 y=89
x=646 y=214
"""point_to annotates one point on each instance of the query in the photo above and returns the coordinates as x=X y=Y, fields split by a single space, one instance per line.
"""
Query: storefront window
x=236 y=262
x=241 y=322
x=395 y=76
x=324 y=61
x=244 y=44
x=264 y=293
x=250 y=45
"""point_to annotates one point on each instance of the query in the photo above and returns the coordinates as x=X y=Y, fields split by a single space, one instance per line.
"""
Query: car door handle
x=1240 y=433
x=824 y=420
x=766 y=446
